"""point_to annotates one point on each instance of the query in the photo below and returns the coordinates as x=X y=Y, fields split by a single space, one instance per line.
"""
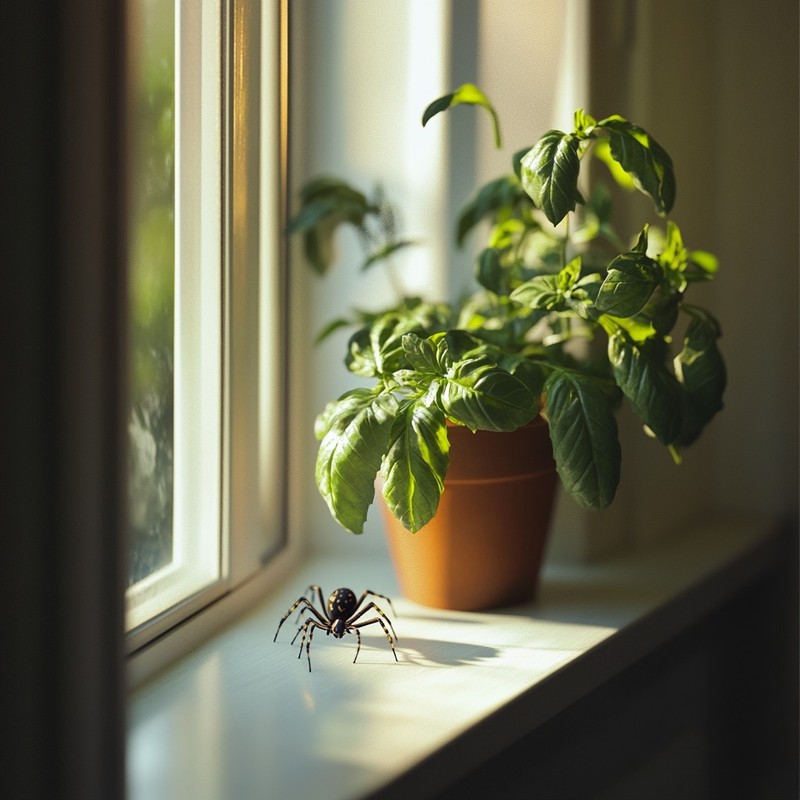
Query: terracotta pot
x=484 y=547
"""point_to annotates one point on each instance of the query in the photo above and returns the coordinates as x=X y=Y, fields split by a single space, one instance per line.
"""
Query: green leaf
x=584 y=123
x=660 y=311
x=706 y=261
x=422 y=354
x=415 y=465
x=516 y=162
x=643 y=159
x=550 y=174
x=326 y=203
x=500 y=194
x=385 y=252
x=479 y=394
x=602 y=151
x=491 y=274
x=318 y=244
x=354 y=432
x=456 y=345
x=333 y=188
x=582 y=294
x=673 y=256
x=467 y=94
x=386 y=338
x=653 y=391
x=540 y=292
x=331 y=327
x=532 y=373
x=568 y=276
x=701 y=371
x=629 y=283
x=377 y=348
x=583 y=430
x=638 y=328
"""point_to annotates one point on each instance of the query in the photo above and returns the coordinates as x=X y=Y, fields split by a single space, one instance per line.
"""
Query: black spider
x=339 y=616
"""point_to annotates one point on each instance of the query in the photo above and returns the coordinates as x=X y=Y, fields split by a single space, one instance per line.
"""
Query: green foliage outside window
x=152 y=285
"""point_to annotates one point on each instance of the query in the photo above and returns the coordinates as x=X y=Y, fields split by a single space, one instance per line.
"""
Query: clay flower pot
x=484 y=547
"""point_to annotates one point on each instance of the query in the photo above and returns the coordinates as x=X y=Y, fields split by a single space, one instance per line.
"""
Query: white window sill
x=242 y=717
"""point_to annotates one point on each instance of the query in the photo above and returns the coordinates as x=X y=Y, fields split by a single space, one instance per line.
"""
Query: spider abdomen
x=341 y=604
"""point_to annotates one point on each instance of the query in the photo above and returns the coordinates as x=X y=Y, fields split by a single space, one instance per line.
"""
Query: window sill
x=242 y=717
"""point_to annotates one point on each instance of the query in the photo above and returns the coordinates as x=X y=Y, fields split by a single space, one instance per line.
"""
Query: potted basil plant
x=567 y=320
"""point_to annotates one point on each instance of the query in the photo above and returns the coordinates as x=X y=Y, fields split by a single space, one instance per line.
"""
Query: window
x=206 y=487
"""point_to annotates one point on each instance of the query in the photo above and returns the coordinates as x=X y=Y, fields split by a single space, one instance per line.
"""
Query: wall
x=717 y=84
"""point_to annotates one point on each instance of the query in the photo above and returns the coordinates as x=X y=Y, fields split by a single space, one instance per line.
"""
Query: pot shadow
x=434 y=652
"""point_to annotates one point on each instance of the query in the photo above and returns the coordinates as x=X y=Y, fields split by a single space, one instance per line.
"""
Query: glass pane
x=152 y=284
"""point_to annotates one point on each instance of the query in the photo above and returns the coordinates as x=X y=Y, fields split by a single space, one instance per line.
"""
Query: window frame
x=253 y=483
x=197 y=562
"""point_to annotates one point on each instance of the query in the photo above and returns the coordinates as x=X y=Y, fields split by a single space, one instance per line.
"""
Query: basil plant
x=553 y=274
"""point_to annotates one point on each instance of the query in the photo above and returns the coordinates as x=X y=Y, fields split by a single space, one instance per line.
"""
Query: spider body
x=341 y=605
x=340 y=615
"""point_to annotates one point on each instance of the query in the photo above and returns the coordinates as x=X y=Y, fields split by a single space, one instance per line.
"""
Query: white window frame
x=230 y=365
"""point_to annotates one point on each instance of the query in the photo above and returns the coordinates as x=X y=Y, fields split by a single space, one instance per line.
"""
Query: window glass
x=152 y=286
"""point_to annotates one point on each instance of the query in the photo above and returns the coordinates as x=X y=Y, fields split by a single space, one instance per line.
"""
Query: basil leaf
x=377 y=348
x=583 y=430
x=360 y=358
x=354 y=432
x=491 y=273
x=629 y=283
x=466 y=94
x=550 y=174
x=415 y=465
x=541 y=292
x=643 y=159
x=326 y=203
x=501 y=193
x=385 y=252
x=701 y=371
x=653 y=391
x=421 y=354
x=481 y=395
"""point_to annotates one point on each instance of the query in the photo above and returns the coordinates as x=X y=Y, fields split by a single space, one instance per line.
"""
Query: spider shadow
x=434 y=652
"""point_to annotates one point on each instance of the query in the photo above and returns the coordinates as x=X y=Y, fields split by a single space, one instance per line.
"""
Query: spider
x=339 y=616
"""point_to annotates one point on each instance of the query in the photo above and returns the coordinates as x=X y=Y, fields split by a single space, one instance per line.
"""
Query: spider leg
x=309 y=595
x=366 y=593
x=304 y=630
x=308 y=628
x=314 y=626
x=366 y=608
x=299 y=619
x=376 y=594
x=382 y=624
x=299 y=629
x=306 y=603
x=358 y=636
